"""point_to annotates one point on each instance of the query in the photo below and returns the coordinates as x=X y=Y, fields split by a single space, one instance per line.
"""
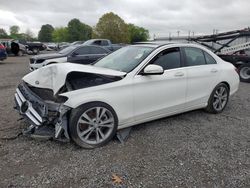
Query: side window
x=82 y=51
x=96 y=50
x=168 y=59
x=97 y=42
x=194 y=56
x=105 y=43
x=209 y=58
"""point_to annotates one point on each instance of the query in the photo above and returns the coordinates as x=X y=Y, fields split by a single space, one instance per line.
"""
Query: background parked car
x=14 y=47
x=3 y=53
x=51 y=46
x=33 y=47
x=104 y=43
x=83 y=54
x=76 y=43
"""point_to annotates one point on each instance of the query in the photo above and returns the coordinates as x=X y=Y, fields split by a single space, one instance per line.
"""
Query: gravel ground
x=194 y=149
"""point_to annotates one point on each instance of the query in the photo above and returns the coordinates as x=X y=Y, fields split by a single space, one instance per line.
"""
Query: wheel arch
x=226 y=83
x=98 y=101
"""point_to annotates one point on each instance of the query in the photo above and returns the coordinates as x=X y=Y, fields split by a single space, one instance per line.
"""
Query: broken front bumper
x=40 y=113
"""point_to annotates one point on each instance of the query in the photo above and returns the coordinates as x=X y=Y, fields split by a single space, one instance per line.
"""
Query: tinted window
x=96 y=50
x=105 y=43
x=209 y=58
x=82 y=51
x=194 y=56
x=67 y=50
x=97 y=42
x=168 y=59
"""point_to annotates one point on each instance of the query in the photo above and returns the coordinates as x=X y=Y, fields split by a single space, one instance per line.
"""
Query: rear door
x=202 y=74
x=80 y=55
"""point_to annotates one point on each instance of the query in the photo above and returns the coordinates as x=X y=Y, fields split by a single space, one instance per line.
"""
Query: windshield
x=89 y=42
x=67 y=50
x=125 y=59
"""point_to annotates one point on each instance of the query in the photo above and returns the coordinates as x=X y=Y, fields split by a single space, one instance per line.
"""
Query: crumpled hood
x=54 y=76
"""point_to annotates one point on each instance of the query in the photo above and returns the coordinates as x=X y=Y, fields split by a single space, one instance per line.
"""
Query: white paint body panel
x=136 y=98
x=53 y=76
x=35 y=65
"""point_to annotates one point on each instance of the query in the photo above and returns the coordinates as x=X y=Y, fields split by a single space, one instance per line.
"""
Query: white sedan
x=133 y=85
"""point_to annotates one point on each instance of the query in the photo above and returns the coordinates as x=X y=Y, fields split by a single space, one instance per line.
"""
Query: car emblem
x=37 y=82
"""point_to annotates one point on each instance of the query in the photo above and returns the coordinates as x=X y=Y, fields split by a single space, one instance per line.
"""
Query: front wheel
x=218 y=99
x=244 y=72
x=93 y=124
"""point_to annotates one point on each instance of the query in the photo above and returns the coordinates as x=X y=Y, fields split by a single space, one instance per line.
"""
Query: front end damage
x=40 y=100
x=46 y=114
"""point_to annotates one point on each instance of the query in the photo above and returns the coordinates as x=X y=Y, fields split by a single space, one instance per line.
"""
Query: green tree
x=78 y=30
x=111 y=26
x=137 y=34
x=45 y=33
x=28 y=35
x=3 y=33
x=60 y=34
x=14 y=30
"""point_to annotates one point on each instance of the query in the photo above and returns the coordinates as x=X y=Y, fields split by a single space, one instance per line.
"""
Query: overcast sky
x=159 y=16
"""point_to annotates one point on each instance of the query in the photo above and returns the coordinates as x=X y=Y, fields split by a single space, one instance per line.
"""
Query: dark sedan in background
x=83 y=54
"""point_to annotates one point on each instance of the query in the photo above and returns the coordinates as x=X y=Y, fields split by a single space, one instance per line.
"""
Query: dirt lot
x=194 y=149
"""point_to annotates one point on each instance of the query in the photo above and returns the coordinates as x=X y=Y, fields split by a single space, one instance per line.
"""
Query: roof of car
x=152 y=44
x=157 y=44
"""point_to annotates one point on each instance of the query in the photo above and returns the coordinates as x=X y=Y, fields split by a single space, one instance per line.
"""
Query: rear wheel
x=218 y=99
x=244 y=71
x=93 y=125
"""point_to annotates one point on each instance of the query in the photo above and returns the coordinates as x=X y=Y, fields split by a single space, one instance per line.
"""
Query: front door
x=159 y=95
x=80 y=55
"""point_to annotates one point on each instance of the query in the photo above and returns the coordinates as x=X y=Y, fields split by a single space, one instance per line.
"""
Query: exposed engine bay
x=79 y=80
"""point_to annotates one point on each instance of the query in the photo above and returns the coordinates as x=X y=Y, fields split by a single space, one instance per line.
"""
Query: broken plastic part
x=123 y=134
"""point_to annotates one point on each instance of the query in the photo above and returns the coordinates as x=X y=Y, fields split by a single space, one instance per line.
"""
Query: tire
x=244 y=72
x=35 y=51
x=85 y=128
x=218 y=99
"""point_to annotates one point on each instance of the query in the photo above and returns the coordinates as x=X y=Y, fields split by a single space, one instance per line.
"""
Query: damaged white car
x=135 y=84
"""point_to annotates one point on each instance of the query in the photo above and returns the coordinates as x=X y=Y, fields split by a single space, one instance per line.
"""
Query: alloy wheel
x=95 y=125
x=220 y=98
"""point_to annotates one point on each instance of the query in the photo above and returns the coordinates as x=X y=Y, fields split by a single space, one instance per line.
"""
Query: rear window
x=209 y=58
x=194 y=56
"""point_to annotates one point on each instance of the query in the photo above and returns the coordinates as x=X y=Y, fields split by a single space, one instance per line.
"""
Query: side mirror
x=152 y=70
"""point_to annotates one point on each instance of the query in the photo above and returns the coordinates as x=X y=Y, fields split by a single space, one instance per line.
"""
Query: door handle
x=179 y=74
x=214 y=70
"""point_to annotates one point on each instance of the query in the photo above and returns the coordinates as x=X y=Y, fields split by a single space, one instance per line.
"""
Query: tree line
x=110 y=26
